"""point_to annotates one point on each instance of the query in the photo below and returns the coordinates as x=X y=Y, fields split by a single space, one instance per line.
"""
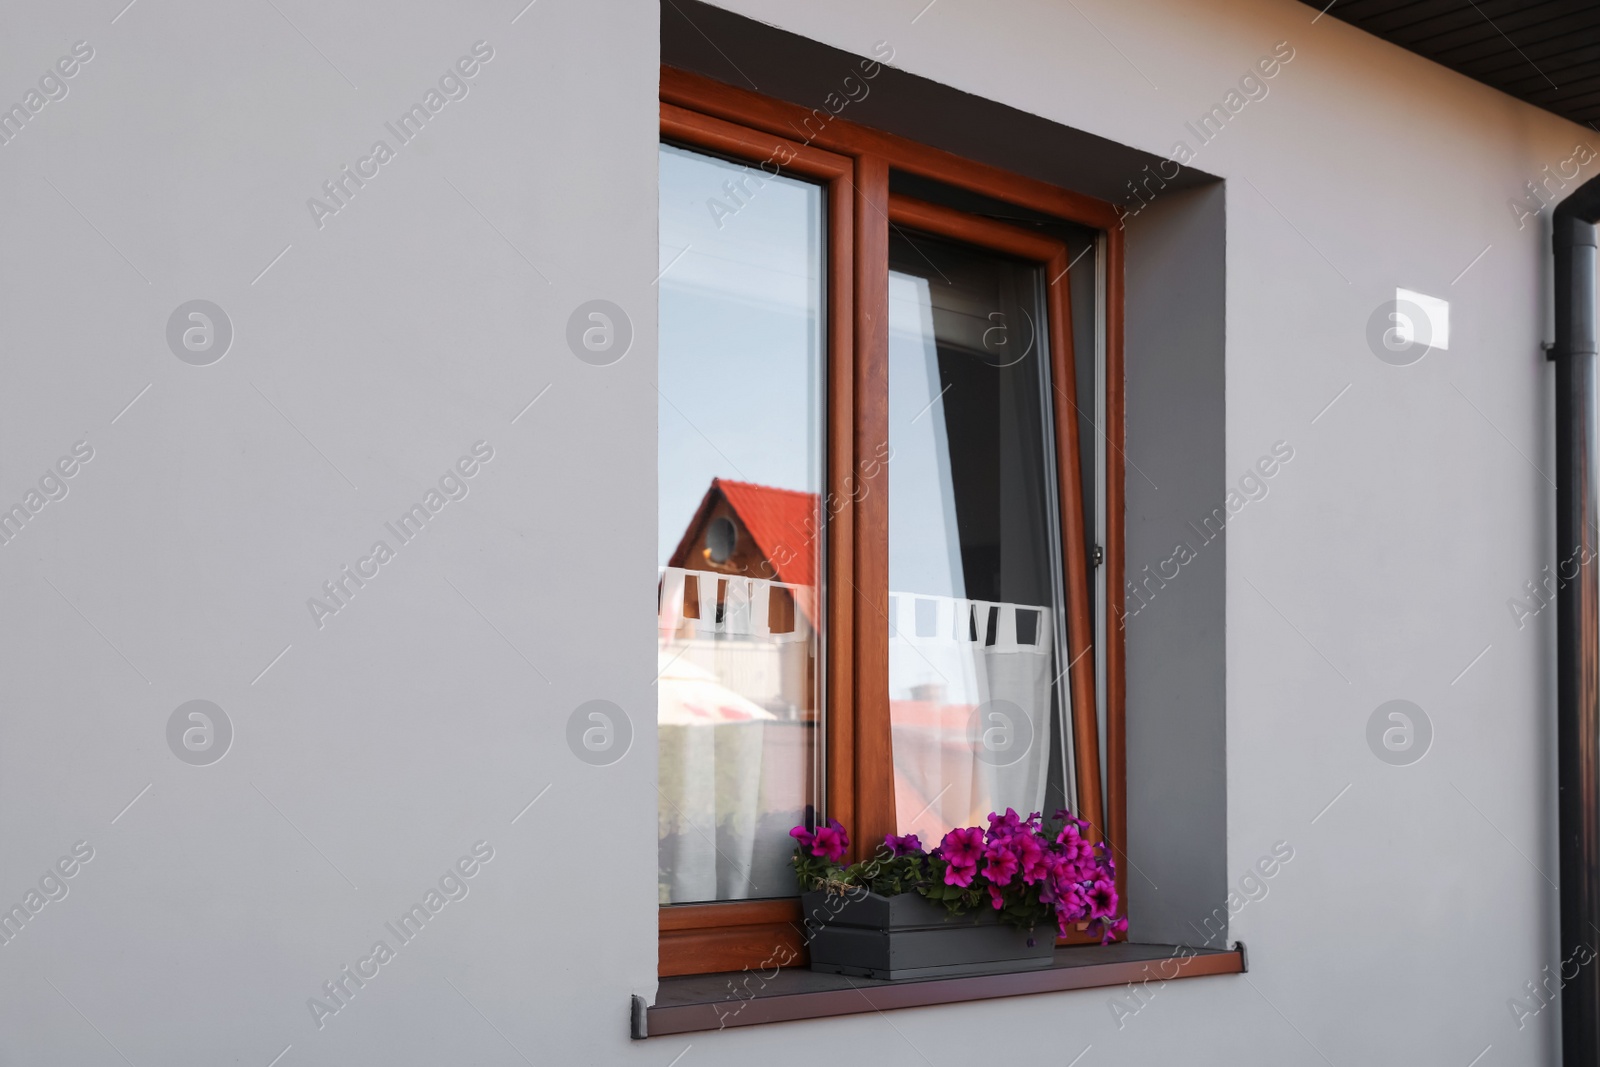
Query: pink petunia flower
x=963 y=847
x=1072 y=907
x=1003 y=826
x=830 y=842
x=1102 y=899
x=960 y=874
x=1107 y=930
x=1074 y=845
x=1002 y=864
x=902 y=846
x=1031 y=856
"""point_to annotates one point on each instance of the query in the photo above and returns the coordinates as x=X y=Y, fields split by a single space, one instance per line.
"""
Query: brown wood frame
x=853 y=164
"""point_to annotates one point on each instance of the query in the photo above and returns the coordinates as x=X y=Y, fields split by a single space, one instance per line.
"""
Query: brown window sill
x=745 y=998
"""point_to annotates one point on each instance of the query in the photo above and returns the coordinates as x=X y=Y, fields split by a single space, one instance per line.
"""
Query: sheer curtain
x=733 y=755
x=976 y=734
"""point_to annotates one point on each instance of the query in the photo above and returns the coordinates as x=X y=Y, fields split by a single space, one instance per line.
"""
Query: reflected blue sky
x=740 y=332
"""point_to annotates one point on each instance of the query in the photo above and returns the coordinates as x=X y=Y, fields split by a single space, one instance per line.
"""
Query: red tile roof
x=784 y=524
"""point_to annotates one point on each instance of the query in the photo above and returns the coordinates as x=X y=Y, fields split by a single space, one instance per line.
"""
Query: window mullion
x=873 y=755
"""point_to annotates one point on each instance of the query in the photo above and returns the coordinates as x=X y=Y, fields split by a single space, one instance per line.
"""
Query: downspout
x=1578 y=617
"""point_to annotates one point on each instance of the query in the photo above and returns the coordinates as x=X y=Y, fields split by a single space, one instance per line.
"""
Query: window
x=887 y=376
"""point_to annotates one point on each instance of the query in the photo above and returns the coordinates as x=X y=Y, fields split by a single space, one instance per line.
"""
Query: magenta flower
x=1067 y=817
x=1073 y=845
x=1071 y=907
x=902 y=846
x=1002 y=864
x=1108 y=931
x=831 y=842
x=960 y=874
x=1028 y=873
x=1003 y=826
x=1047 y=891
x=1031 y=855
x=1102 y=899
x=963 y=848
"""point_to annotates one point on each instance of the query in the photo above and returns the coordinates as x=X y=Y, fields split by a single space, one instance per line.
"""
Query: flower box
x=868 y=935
x=981 y=902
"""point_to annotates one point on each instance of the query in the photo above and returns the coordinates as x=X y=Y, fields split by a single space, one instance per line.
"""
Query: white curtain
x=971 y=710
x=734 y=752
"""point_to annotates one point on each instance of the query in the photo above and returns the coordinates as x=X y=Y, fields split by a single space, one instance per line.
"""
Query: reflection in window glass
x=741 y=466
x=976 y=623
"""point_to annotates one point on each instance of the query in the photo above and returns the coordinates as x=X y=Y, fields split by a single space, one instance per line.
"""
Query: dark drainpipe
x=1578 y=619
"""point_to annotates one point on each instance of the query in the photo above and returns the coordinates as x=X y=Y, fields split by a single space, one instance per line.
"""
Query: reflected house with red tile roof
x=744 y=530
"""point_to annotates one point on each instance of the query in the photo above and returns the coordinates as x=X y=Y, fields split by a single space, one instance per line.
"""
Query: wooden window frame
x=852 y=165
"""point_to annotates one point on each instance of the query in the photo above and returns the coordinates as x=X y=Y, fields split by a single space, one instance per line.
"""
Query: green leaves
x=812 y=872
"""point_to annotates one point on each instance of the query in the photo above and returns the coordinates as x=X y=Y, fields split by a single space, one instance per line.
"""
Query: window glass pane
x=976 y=621
x=1087 y=296
x=741 y=466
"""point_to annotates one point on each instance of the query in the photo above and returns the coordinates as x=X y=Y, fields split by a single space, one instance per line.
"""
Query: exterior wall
x=427 y=713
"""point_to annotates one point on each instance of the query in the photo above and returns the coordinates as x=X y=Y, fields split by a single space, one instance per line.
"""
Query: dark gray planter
x=908 y=936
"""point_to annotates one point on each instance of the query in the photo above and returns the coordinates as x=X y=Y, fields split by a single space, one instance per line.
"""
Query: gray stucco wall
x=425 y=715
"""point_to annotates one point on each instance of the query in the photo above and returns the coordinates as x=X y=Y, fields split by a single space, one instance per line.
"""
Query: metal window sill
x=694 y=1003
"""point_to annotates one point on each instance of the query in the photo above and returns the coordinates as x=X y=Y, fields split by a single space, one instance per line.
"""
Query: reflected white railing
x=747 y=612
x=746 y=604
